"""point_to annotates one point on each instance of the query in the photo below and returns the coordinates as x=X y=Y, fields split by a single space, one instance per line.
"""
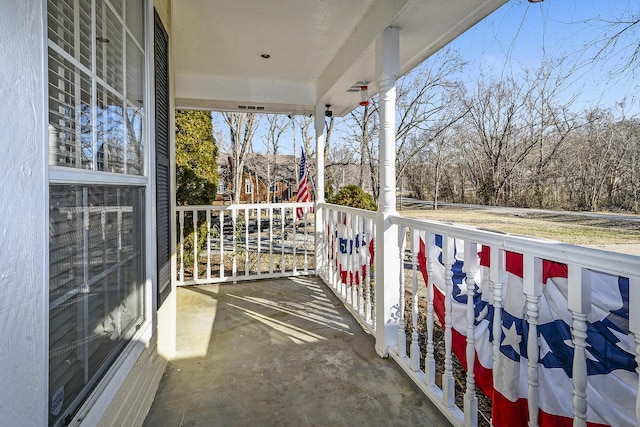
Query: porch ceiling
x=318 y=49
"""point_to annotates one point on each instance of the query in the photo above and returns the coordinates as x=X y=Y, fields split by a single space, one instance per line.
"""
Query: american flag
x=304 y=193
x=612 y=380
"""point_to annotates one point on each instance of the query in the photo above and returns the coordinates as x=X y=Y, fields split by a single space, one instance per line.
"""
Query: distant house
x=264 y=179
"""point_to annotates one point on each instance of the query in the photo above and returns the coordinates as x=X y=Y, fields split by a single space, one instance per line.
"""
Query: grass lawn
x=569 y=228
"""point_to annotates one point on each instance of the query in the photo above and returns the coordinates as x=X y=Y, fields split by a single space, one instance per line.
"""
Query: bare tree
x=425 y=105
x=619 y=38
x=277 y=125
x=242 y=127
x=363 y=124
x=550 y=121
x=422 y=97
x=364 y=134
x=497 y=117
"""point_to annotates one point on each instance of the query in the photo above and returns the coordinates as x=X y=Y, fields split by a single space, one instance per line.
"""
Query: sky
x=520 y=35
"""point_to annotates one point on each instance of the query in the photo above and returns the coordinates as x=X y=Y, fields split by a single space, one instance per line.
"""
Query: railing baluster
x=352 y=260
x=402 y=333
x=532 y=286
x=208 y=244
x=306 y=236
x=634 y=328
x=259 y=241
x=498 y=276
x=430 y=360
x=470 y=399
x=221 y=232
x=195 y=244
x=373 y=276
x=295 y=240
x=271 y=240
x=329 y=259
x=357 y=263
x=333 y=246
x=415 y=312
x=234 y=236
x=323 y=232
x=181 y=221
x=349 y=259
x=367 y=282
x=282 y=221
x=320 y=231
x=579 y=296
x=360 y=263
x=328 y=228
x=342 y=260
x=448 y=384
x=246 y=241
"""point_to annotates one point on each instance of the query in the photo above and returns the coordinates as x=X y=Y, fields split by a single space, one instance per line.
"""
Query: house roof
x=318 y=50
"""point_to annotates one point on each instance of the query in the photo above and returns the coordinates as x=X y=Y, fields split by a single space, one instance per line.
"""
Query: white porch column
x=387 y=251
x=319 y=229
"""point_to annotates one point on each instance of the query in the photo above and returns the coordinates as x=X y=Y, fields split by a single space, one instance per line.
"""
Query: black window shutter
x=163 y=211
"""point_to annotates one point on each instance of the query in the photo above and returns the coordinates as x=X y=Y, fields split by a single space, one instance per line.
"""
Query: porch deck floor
x=280 y=353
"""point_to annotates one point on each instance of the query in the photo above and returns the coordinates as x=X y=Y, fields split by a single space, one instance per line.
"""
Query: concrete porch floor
x=280 y=353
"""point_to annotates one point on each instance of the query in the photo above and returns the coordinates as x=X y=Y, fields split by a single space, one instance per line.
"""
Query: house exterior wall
x=23 y=209
x=124 y=394
x=132 y=401
x=258 y=193
x=285 y=180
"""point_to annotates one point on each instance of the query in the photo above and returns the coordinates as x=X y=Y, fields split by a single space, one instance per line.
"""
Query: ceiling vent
x=251 y=107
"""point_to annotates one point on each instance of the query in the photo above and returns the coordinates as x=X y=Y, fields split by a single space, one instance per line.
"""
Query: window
x=96 y=284
x=220 y=187
x=97 y=90
x=247 y=186
x=96 y=85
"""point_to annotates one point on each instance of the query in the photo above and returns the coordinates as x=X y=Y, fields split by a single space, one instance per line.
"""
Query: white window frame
x=99 y=398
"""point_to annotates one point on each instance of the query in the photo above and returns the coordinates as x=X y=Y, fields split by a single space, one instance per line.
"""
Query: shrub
x=354 y=196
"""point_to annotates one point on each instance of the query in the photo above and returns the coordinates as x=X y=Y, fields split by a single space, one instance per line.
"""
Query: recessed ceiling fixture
x=265 y=56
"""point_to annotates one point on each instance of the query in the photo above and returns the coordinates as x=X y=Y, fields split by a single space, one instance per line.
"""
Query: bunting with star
x=612 y=380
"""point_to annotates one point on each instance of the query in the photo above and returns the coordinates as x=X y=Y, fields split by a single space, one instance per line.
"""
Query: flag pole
x=313 y=185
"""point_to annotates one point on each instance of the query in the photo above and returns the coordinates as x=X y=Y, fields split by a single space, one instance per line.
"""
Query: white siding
x=23 y=209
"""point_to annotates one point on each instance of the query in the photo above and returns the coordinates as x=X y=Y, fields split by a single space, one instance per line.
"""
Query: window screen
x=96 y=283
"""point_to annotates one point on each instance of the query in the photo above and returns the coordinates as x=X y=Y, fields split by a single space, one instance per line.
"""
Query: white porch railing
x=455 y=292
x=347 y=248
x=243 y=242
x=474 y=263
